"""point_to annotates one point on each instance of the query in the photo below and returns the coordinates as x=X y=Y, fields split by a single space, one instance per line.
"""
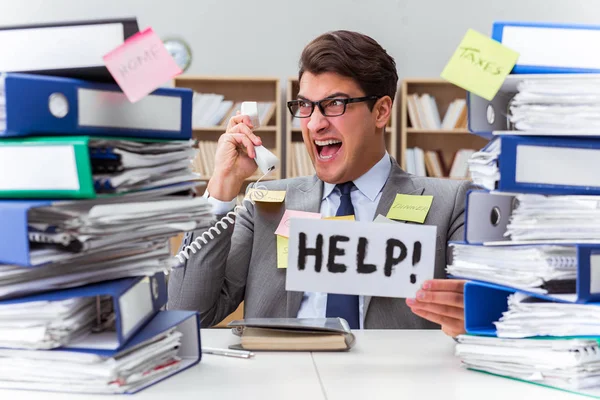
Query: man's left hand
x=441 y=301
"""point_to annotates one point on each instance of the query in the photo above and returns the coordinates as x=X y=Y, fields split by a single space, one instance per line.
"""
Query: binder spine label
x=136 y=306
x=594 y=273
x=111 y=109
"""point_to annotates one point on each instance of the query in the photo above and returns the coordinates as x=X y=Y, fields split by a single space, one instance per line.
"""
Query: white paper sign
x=363 y=258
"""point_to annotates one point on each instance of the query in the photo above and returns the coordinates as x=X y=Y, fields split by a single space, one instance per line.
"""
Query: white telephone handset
x=265 y=160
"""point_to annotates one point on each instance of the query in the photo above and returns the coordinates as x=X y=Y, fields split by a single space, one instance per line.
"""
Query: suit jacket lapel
x=397 y=182
x=303 y=196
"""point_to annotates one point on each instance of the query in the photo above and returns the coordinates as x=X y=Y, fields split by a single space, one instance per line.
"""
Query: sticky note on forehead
x=480 y=65
x=410 y=208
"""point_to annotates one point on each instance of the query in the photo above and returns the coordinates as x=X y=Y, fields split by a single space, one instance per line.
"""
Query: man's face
x=344 y=147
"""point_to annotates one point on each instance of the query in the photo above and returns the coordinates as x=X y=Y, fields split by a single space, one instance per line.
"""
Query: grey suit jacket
x=240 y=264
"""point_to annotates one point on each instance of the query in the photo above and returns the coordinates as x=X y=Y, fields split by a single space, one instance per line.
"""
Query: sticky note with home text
x=141 y=64
x=282 y=251
x=480 y=65
x=266 y=196
x=410 y=208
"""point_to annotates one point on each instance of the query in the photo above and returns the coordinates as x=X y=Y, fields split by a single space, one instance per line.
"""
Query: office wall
x=265 y=37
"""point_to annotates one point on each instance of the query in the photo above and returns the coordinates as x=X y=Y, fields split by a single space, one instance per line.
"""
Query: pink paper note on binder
x=141 y=65
x=284 y=226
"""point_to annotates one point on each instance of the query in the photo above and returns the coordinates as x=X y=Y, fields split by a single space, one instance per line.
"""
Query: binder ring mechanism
x=105 y=315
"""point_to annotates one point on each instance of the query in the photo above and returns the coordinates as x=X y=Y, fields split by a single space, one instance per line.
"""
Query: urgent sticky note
x=480 y=65
x=410 y=208
x=282 y=251
x=266 y=196
x=141 y=64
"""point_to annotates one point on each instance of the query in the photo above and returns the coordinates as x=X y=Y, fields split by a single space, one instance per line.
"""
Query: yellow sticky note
x=410 y=208
x=480 y=65
x=282 y=251
x=266 y=196
x=343 y=217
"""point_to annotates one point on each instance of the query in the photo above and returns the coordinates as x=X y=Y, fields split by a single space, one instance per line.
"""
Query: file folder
x=548 y=165
x=587 y=281
x=485 y=302
x=71 y=48
x=487 y=216
x=37 y=105
x=176 y=333
x=550 y=47
x=62 y=167
x=134 y=302
x=489 y=118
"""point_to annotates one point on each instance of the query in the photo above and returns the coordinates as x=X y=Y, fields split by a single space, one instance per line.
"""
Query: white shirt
x=365 y=198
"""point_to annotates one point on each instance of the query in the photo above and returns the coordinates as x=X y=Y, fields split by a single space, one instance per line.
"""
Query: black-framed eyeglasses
x=329 y=107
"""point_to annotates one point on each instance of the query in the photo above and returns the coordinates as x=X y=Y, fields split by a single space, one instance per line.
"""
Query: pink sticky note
x=141 y=64
x=284 y=226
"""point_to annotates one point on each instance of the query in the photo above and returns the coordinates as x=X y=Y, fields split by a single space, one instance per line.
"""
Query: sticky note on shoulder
x=282 y=251
x=480 y=65
x=141 y=64
x=410 y=208
x=266 y=196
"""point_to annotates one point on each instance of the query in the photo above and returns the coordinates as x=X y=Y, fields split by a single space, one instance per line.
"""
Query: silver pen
x=228 y=352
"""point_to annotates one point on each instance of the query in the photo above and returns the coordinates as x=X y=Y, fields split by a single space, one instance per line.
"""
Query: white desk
x=382 y=365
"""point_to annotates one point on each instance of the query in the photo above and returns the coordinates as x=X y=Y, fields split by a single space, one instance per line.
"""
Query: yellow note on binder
x=480 y=65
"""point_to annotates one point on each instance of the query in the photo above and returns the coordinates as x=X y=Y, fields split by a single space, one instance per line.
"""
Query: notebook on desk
x=293 y=334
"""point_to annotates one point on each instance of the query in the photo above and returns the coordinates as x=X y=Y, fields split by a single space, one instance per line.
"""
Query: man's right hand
x=234 y=159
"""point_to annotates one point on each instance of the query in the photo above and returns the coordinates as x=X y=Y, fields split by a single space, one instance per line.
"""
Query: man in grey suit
x=347 y=87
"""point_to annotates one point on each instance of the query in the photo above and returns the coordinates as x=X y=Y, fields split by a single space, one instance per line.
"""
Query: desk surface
x=383 y=364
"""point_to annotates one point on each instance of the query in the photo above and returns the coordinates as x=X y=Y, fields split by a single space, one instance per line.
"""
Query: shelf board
x=439 y=131
x=222 y=129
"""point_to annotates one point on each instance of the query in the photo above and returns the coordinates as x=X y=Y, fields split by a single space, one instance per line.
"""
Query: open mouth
x=328 y=149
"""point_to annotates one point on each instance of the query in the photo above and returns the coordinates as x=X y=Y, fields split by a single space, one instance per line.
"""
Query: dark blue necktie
x=343 y=305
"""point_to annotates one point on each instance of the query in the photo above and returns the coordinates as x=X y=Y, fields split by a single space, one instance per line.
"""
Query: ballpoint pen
x=228 y=352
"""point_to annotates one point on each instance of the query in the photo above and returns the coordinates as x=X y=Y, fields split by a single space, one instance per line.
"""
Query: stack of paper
x=565 y=218
x=556 y=104
x=528 y=316
x=483 y=166
x=61 y=232
x=47 y=324
x=124 y=165
x=88 y=372
x=571 y=364
x=142 y=258
x=542 y=269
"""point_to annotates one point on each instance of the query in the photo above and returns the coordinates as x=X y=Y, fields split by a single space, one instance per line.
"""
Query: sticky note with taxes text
x=410 y=208
x=480 y=65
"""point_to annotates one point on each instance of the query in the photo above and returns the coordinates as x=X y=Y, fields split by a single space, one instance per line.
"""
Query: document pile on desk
x=93 y=188
x=531 y=248
x=570 y=364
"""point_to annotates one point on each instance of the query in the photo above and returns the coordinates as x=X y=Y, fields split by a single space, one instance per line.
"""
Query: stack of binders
x=531 y=251
x=92 y=187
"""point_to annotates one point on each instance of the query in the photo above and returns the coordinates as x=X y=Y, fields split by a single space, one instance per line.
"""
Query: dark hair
x=353 y=55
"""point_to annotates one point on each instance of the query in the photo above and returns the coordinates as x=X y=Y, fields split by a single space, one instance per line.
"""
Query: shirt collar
x=371 y=182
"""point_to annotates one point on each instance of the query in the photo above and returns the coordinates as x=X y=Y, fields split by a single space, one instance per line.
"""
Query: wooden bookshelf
x=238 y=89
x=293 y=134
x=447 y=141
